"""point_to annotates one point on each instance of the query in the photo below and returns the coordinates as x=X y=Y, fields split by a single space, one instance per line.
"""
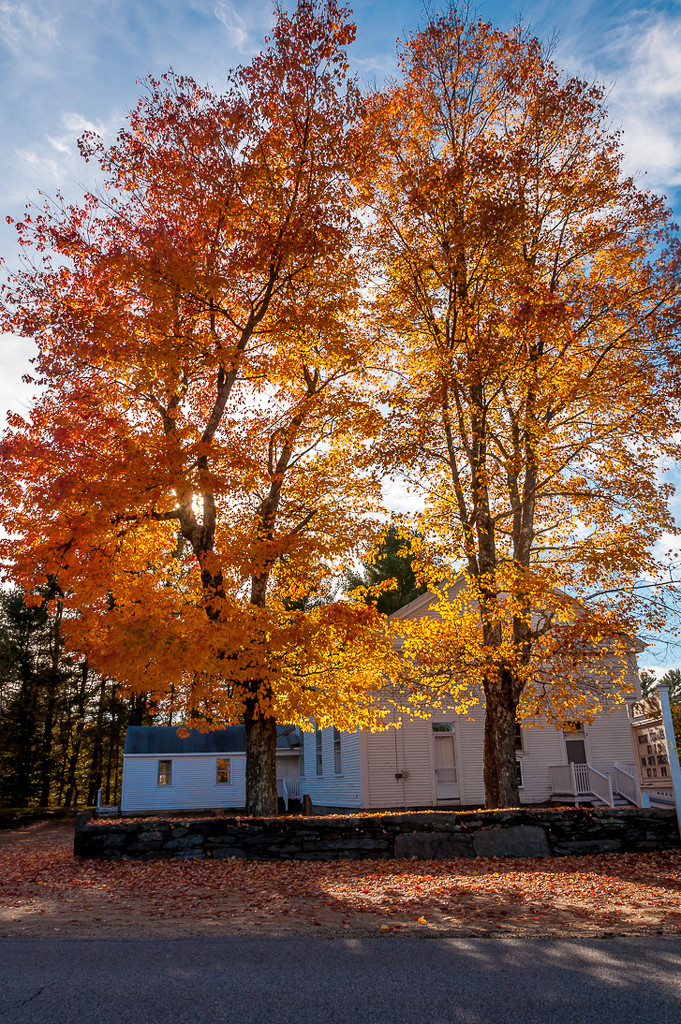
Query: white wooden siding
x=542 y=747
x=410 y=747
x=193 y=786
x=329 y=789
x=394 y=751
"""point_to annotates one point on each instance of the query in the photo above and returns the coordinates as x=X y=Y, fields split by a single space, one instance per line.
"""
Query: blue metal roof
x=163 y=739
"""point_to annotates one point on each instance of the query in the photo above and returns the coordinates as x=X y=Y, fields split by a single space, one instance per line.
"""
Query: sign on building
x=651 y=745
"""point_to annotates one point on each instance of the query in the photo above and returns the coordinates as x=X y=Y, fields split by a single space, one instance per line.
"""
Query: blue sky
x=69 y=65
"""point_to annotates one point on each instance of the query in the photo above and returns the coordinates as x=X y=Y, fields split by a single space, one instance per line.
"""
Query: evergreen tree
x=392 y=560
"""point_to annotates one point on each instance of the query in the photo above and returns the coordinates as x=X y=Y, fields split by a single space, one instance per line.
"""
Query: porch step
x=618 y=801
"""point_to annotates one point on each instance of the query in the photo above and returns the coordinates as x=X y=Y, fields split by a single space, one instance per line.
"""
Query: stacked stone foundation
x=542 y=832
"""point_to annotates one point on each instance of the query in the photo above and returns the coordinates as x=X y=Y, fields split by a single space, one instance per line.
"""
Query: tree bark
x=95 y=780
x=261 y=765
x=500 y=773
x=74 y=757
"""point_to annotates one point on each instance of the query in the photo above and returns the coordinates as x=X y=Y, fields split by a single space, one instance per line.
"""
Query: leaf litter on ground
x=620 y=893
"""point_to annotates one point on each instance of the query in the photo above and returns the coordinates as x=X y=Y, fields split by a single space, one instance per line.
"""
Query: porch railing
x=625 y=782
x=580 y=780
x=288 y=789
x=600 y=785
x=562 y=779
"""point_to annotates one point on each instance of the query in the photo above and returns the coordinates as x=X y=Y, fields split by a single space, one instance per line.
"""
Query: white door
x=446 y=777
x=575 y=744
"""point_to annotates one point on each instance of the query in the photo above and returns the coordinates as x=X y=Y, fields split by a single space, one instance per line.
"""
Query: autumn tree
x=528 y=292
x=202 y=358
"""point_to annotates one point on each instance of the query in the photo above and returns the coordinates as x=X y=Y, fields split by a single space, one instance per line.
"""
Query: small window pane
x=443 y=727
x=165 y=773
x=518 y=737
x=222 y=771
x=337 y=752
x=318 y=748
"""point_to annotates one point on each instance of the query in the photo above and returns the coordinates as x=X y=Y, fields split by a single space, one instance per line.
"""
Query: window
x=318 y=748
x=165 y=773
x=337 y=752
x=221 y=771
x=573 y=727
x=519 y=747
x=443 y=727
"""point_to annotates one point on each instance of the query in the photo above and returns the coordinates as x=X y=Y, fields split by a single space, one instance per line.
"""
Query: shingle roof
x=163 y=739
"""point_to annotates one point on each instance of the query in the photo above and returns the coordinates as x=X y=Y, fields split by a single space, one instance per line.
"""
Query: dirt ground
x=45 y=891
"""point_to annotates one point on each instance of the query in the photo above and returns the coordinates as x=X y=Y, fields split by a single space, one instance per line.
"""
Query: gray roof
x=163 y=739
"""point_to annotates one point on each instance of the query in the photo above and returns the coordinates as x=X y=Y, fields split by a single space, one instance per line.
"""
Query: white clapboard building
x=165 y=773
x=436 y=762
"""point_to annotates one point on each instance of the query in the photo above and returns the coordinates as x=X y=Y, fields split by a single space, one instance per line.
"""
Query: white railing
x=580 y=780
x=582 y=787
x=562 y=778
x=600 y=785
x=625 y=782
x=293 y=786
x=288 y=789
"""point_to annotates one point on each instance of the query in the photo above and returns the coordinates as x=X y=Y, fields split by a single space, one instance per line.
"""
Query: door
x=446 y=778
x=575 y=744
x=575 y=748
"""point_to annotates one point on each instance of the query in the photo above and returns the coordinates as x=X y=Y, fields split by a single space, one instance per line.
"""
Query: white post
x=663 y=691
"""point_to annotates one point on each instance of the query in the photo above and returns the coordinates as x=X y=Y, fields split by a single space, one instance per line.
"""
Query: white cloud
x=15 y=393
x=28 y=27
x=637 y=53
x=238 y=33
x=647 y=96
x=74 y=126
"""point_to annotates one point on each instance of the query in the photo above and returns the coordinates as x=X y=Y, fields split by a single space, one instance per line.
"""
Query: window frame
x=165 y=774
x=218 y=769
x=319 y=754
x=337 y=751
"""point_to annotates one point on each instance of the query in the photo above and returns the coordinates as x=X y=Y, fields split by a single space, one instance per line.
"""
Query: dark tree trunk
x=55 y=677
x=25 y=764
x=500 y=773
x=95 y=780
x=46 y=759
x=74 y=757
x=110 y=752
x=261 y=765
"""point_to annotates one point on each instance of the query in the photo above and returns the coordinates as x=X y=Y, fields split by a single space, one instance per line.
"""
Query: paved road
x=334 y=981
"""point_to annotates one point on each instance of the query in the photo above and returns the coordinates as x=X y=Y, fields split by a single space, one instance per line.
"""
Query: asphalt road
x=333 y=981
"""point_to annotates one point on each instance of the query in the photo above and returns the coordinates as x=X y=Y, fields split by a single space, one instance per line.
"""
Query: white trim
x=334 y=731
x=364 y=767
x=578 y=734
x=159 y=762
x=196 y=753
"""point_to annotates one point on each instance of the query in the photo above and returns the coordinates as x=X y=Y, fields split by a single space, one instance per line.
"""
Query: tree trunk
x=74 y=758
x=500 y=773
x=95 y=781
x=46 y=765
x=261 y=765
x=22 y=789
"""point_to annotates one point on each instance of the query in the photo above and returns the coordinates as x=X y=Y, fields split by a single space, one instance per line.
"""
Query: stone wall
x=542 y=832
